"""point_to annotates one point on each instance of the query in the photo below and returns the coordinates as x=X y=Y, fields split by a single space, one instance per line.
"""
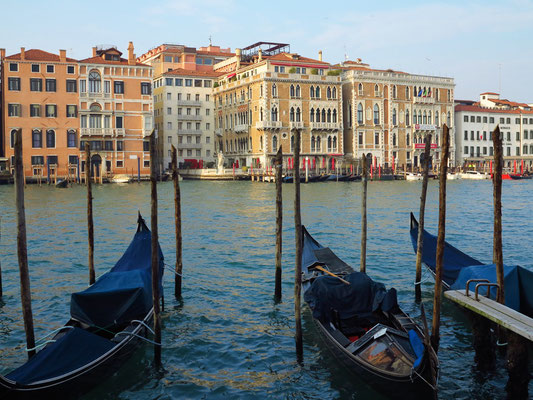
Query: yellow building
x=265 y=93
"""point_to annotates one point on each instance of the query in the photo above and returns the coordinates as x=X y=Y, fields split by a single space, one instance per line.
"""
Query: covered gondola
x=108 y=321
x=362 y=324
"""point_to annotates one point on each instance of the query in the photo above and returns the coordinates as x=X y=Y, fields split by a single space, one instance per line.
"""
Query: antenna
x=209 y=40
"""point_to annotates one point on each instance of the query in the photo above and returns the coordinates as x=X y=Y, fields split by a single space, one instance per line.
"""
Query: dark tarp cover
x=72 y=351
x=125 y=292
x=453 y=261
x=359 y=299
x=518 y=284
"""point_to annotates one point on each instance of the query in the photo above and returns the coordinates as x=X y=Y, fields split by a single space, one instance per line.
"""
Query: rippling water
x=227 y=338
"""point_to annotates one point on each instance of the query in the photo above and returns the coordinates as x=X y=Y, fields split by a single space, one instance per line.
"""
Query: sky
x=483 y=45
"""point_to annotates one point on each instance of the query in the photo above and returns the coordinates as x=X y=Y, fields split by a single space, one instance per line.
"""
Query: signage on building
x=423 y=145
x=133 y=157
x=424 y=127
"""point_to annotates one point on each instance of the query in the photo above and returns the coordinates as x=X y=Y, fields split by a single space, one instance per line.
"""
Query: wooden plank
x=502 y=315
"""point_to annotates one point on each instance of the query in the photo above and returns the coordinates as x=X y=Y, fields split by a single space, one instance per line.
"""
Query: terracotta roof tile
x=490 y=93
x=289 y=57
x=477 y=108
x=38 y=55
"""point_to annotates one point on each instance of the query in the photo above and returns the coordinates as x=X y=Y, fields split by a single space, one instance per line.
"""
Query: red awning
x=231 y=75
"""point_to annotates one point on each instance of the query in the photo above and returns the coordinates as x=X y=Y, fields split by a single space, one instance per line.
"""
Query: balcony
x=296 y=125
x=218 y=131
x=261 y=125
x=191 y=103
x=424 y=100
x=328 y=126
x=190 y=117
x=189 y=145
x=190 y=131
x=120 y=132
x=95 y=95
x=241 y=128
x=96 y=132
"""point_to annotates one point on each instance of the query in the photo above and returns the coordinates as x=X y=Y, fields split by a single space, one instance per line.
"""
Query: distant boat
x=412 y=176
x=459 y=267
x=474 y=175
x=63 y=183
x=108 y=322
x=452 y=176
x=340 y=178
x=120 y=178
x=362 y=324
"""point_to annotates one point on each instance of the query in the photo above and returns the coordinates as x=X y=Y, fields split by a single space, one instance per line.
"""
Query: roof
x=477 y=108
x=490 y=93
x=100 y=60
x=188 y=72
x=508 y=103
x=295 y=58
x=38 y=55
x=214 y=53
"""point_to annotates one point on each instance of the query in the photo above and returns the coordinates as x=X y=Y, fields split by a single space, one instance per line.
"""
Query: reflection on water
x=227 y=338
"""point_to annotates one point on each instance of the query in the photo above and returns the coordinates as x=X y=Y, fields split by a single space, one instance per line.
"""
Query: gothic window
x=360 y=113
x=291 y=115
x=334 y=115
x=376 y=114
x=312 y=115
x=298 y=114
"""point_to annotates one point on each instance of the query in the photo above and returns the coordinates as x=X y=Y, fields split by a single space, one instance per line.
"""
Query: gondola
x=362 y=324
x=459 y=267
x=63 y=183
x=108 y=322
x=339 y=178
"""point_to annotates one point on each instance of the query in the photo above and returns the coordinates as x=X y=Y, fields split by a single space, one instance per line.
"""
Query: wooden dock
x=494 y=311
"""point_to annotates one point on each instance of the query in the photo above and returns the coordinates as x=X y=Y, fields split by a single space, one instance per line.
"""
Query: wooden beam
x=298 y=238
x=497 y=195
x=279 y=224
x=90 y=226
x=364 y=179
x=177 y=221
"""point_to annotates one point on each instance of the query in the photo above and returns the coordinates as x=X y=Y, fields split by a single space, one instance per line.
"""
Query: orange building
x=40 y=96
x=61 y=103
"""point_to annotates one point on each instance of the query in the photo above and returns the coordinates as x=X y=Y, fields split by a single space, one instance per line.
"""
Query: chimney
x=131 y=56
x=259 y=55
x=238 y=56
x=62 y=56
x=94 y=51
x=2 y=54
x=22 y=53
x=319 y=55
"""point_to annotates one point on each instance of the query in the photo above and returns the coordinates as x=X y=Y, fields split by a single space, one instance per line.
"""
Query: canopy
x=359 y=299
x=125 y=292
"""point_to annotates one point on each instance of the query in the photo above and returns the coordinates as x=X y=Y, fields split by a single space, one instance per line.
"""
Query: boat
x=361 y=323
x=412 y=176
x=459 y=267
x=355 y=178
x=120 y=178
x=108 y=322
x=338 y=178
x=287 y=179
x=63 y=183
x=452 y=176
x=474 y=175
x=323 y=177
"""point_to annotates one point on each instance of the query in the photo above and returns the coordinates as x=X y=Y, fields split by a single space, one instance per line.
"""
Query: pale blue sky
x=471 y=41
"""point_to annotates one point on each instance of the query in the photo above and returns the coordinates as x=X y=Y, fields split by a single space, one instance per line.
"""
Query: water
x=227 y=338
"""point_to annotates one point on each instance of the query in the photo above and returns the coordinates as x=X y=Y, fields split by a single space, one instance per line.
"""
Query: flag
x=425 y=93
x=420 y=93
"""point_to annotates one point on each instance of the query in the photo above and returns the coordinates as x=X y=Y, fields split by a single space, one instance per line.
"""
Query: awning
x=231 y=75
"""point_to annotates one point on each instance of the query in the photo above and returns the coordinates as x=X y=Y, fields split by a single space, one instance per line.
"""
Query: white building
x=475 y=122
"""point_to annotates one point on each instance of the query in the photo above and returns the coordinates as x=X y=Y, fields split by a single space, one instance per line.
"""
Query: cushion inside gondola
x=72 y=351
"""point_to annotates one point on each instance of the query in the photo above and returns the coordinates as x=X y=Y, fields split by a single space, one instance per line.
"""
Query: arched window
x=437 y=118
x=328 y=92
x=334 y=93
x=260 y=142
x=274 y=113
x=393 y=116
x=429 y=117
x=415 y=118
x=361 y=89
x=50 y=138
x=394 y=139
x=292 y=92
x=425 y=118
x=335 y=115
x=236 y=148
x=298 y=91
x=531 y=149
x=312 y=115
x=323 y=115
x=318 y=143
x=419 y=116
x=394 y=91
x=13 y=134
x=335 y=144
x=274 y=90
x=329 y=115
x=94 y=82
x=524 y=150
x=407 y=92
x=329 y=144
x=407 y=118
x=292 y=143
x=291 y=115
x=274 y=143
x=313 y=148
x=359 y=113
x=298 y=114
x=317 y=92
x=407 y=140
x=318 y=115
x=376 y=90
x=415 y=93
x=376 y=114
x=312 y=91
x=437 y=94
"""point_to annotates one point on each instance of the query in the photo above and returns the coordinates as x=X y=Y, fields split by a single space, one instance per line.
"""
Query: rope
x=169 y=268
x=45 y=336
x=422 y=280
x=139 y=337
x=421 y=377
x=143 y=324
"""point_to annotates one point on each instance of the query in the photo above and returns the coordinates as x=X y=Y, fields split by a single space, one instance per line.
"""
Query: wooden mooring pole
x=155 y=252
x=90 y=226
x=437 y=299
x=497 y=252
x=279 y=224
x=298 y=238
x=364 y=179
x=25 y=292
x=177 y=220
x=420 y=239
x=1 y=291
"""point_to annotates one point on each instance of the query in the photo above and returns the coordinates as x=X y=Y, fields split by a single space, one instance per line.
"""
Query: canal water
x=227 y=338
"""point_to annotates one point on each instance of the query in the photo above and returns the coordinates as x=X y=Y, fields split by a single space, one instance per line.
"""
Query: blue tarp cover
x=125 y=292
x=72 y=351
